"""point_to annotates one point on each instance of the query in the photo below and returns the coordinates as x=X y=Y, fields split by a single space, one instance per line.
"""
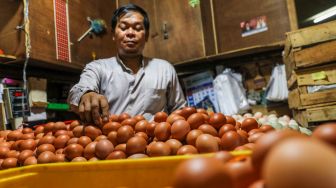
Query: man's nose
x=130 y=32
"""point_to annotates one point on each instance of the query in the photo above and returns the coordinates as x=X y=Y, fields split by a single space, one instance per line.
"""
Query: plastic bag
x=230 y=93
x=277 y=87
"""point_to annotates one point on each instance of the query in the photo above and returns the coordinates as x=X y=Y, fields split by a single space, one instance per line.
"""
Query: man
x=128 y=82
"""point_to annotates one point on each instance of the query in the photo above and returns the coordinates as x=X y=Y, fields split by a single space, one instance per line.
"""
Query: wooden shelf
x=7 y=58
x=235 y=53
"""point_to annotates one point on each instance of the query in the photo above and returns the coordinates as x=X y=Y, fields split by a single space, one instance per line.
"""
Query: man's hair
x=127 y=8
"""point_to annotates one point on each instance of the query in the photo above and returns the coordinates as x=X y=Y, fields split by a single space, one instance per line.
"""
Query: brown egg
x=141 y=126
x=139 y=117
x=116 y=155
x=13 y=154
x=3 y=152
x=84 y=140
x=27 y=136
x=160 y=117
x=124 y=133
x=4 y=133
x=187 y=149
x=9 y=163
x=110 y=126
x=300 y=162
x=92 y=132
x=206 y=143
x=61 y=132
x=48 y=139
x=142 y=134
x=241 y=148
x=27 y=130
x=243 y=133
x=73 y=140
x=14 y=135
x=241 y=172
x=46 y=157
x=30 y=161
x=59 y=151
x=217 y=120
x=230 y=120
x=266 y=142
x=187 y=111
x=192 y=136
x=101 y=137
x=112 y=137
x=138 y=156
x=59 y=126
x=27 y=144
x=38 y=130
x=174 y=117
x=266 y=128
x=78 y=131
x=24 y=155
x=162 y=131
x=90 y=150
x=113 y=117
x=226 y=128
x=180 y=129
x=238 y=125
x=201 y=172
x=201 y=110
x=174 y=145
x=39 y=136
x=60 y=158
x=123 y=116
x=150 y=128
x=49 y=127
x=61 y=141
x=249 y=124
x=253 y=131
x=103 y=149
x=208 y=129
x=78 y=159
x=74 y=124
x=223 y=156
x=135 y=145
x=230 y=140
x=254 y=137
x=43 y=148
x=327 y=133
x=195 y=120
x=16 y=144
x=94 y=159
x=120 y=147
x=130 y=121
x=159 y=149
x=73 y=151
x=7 y=144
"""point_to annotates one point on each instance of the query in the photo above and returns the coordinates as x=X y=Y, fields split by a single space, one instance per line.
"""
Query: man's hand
x=92 y=107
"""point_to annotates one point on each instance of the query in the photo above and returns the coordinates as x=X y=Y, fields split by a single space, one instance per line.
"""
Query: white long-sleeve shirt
x=153 y=88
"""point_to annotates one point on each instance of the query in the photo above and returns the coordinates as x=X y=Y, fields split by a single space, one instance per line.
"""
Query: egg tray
x=144 y=172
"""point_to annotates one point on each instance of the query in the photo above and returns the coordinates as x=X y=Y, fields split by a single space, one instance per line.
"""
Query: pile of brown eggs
x=185 y=131
x=280 y=158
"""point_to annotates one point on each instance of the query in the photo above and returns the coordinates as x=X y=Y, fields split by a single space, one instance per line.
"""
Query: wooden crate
x=300 y=98
x=310 y=47
x=317 y=114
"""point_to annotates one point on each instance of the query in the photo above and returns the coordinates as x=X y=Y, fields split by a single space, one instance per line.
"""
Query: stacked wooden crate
x=310 y=58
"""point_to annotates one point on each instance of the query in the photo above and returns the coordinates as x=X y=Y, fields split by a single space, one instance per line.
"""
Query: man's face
x=130 y=34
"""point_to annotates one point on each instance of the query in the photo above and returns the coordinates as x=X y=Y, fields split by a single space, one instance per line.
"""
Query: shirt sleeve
x=175 y=98
x=89 y=81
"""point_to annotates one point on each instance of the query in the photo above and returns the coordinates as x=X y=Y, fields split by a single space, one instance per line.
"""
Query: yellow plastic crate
x=145 y=173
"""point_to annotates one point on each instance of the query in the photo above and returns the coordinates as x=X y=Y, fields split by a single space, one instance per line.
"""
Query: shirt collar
x=127 y=68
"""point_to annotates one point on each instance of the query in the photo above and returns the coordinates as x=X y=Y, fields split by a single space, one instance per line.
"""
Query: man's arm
x=84 y=97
